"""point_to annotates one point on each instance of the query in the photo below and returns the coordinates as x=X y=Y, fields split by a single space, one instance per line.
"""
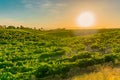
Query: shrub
x=85 y=62
x=110 y=57
x=24 y=69
x=83 y=55
x=19 y=63
x=1 y=59
x=14 y=70
x=43 y=71
x=51 y=55
x=62 y=68
x=6 y=64
x=6 y=76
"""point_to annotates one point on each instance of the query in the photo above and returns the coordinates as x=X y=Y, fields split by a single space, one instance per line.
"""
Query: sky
x=51 y=14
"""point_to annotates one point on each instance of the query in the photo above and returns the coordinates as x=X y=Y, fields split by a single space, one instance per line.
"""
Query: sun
x=86 y=19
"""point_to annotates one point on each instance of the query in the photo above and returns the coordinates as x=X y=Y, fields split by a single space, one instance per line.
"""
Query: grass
x=104 y=73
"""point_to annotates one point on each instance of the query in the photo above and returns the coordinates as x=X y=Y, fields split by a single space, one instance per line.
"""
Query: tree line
x=19 y=27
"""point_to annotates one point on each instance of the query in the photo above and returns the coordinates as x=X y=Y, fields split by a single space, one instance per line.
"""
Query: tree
x=11 y=27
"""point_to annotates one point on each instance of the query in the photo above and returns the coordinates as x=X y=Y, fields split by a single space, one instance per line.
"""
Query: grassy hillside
x=55 y=54
x=104 y=73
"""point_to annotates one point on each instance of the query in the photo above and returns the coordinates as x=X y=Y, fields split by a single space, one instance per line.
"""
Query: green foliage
x=6 y=64
x=26 y=52
x=43 y=71
x=6 y=76
x=11 y=27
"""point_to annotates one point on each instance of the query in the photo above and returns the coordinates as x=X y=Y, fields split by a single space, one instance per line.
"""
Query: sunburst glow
x=86 y=19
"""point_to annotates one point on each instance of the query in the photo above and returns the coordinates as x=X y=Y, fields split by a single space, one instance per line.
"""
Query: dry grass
x=105 y=73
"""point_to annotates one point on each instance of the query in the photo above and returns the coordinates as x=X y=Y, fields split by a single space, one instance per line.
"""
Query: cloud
x=53 y=6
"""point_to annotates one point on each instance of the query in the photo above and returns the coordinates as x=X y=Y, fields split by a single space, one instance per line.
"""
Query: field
x=28 y=54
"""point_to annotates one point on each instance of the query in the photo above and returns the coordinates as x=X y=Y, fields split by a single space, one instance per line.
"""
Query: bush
x=99 y=60
x=51 y=55
x=110 y=57
x=57 y=69
x=19 y=63
x=6 y=64
x=13 y=70
x=62 y=68
x=6 y=76
x=43 y=71
x=85 y=62
x=83 y=55
x=1 y=59
x=24 y=69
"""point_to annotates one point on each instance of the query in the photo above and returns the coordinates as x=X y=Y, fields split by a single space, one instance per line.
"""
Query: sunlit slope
x=33 y=54
x=106 y=73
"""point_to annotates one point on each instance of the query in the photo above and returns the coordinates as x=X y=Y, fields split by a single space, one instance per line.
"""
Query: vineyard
x=40 y=55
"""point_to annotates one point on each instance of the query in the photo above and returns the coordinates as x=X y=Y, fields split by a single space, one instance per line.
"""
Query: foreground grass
x=105 y=73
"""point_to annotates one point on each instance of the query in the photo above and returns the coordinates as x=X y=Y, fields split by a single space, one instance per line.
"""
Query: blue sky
x=57 y=13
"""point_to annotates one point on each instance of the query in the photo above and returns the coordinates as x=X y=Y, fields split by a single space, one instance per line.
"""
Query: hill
x=55 y=54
